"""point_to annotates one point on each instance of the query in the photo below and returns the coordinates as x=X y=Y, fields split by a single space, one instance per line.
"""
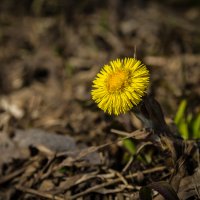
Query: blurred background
x=51 y=50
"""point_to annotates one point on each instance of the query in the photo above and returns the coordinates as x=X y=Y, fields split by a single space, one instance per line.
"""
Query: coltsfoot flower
x=120 y=85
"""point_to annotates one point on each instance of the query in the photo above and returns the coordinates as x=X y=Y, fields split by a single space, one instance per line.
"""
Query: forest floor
x=55 y=143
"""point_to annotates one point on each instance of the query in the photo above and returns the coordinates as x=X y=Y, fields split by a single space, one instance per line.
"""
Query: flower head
x=120 y=85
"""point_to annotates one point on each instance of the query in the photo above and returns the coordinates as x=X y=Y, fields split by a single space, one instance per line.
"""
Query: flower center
x=116 y=81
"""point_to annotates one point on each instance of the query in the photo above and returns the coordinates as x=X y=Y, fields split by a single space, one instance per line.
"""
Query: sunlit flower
x=120 y=85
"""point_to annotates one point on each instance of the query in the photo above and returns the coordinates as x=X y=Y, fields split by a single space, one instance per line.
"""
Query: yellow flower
x=120 y=85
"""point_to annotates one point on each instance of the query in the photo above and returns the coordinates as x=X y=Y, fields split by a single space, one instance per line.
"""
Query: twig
x=128 y=164
x=120 y=176
x=96 y=187
x=123 y=133
x=77 y=155
x=92 y=189
x=11 y=175
x=39 y=193
x=15 y=173
x=138 y=134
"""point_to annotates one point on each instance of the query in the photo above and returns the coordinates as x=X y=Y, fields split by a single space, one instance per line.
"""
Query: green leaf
x=183 y=128
x=181 y=111
x=196 y=126
x=189 y=118
x=130 y=146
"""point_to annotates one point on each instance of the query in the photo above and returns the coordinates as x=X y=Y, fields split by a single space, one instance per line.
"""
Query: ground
x=55 y=142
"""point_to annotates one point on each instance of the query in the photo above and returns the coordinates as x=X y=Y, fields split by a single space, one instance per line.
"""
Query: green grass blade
x=130 y=146
x=181 y=111
x=196 y=126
